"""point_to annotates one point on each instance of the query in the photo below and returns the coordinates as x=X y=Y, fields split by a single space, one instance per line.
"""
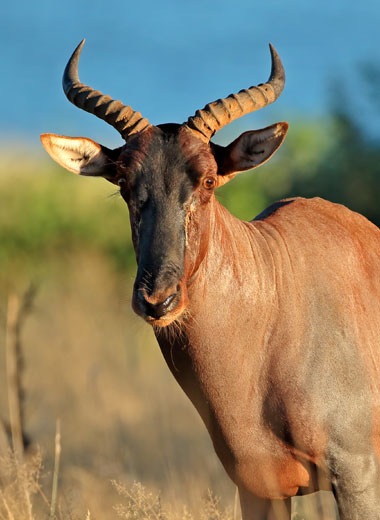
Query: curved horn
x=122 y=117
x=221 y=112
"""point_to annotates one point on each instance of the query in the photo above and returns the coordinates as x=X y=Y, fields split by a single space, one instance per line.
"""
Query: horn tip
x=272 y=49
x=70 y=74
x=277 y=76
x=79 y=47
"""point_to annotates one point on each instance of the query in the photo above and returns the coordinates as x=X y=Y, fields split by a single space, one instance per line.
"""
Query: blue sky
x=169 y=58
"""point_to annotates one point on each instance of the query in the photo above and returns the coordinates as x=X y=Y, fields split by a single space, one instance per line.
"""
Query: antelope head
x=167 y=175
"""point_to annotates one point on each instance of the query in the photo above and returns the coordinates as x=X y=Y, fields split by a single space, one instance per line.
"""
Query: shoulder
x=316 y=215
x=300 y=206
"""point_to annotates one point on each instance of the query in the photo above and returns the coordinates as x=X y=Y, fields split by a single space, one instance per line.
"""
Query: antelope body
x=271 y=327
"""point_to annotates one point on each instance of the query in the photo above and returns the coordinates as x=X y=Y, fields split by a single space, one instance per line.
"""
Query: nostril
x=168 y=300
x=154 y=310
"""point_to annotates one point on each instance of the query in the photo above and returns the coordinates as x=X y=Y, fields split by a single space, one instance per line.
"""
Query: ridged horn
x=122 y=117
x=221 y=112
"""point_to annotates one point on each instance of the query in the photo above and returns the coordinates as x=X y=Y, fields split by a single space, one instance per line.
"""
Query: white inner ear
x=255 y=147
x=77 y=154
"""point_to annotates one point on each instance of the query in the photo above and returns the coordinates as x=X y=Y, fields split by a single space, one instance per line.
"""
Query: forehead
x=168 y=154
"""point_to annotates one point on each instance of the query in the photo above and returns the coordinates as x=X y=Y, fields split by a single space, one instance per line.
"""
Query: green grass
x=48 y=213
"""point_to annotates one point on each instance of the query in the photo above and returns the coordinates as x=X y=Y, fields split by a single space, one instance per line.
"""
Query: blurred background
x=87 y=359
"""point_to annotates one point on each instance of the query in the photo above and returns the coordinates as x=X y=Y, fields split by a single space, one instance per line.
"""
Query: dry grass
x=22 y=498
x=140 y=504
x=19 y=487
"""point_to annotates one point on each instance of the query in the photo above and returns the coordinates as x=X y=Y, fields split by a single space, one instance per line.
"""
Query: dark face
x=163 y=174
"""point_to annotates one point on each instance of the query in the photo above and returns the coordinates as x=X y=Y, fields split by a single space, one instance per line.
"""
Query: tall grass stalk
x=57 y=456
x=13 y=363
x=236 y=503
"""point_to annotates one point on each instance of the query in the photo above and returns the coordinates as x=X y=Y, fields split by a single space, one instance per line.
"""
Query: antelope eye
x=209 y=183
x=121 y=182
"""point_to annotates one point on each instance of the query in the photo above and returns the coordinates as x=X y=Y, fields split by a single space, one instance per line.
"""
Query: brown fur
x=284 y=323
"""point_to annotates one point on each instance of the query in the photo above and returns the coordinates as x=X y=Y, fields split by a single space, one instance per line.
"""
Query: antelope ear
x=80 y=155
x=250 y=150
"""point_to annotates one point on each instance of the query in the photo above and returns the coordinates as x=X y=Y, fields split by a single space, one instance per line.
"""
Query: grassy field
x=92 y=364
